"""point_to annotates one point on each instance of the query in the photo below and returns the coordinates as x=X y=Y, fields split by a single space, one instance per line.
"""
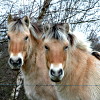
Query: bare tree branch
x=79 y=22
x=44 y=9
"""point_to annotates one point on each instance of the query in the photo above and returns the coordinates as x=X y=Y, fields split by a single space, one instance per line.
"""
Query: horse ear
x=38 y=28
x=46 y=28
x=26 y=20
x=10 y=19
x=64 y=27
x=67 y=28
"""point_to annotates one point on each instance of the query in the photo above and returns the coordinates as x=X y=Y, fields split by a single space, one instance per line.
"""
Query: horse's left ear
x=67 y=28
x=10 y=19
x=64 y=26
x=46 y=28
x=26 y=20
x=38 y=28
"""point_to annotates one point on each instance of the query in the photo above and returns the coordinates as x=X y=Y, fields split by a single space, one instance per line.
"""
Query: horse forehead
x=18 y=35
x=56 y=50
x=57 y=44
x=24 y=32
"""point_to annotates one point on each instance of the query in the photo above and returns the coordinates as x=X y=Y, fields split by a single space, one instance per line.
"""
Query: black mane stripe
x=56 y=33
x=18 y=23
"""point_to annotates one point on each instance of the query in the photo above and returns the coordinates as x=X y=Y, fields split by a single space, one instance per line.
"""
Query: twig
x=43 y=10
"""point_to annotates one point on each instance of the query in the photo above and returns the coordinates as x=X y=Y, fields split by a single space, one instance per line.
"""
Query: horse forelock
x=56 y=33
x=17 y=25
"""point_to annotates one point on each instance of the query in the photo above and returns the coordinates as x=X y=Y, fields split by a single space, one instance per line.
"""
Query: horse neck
x=77 y=67
x=35 y=63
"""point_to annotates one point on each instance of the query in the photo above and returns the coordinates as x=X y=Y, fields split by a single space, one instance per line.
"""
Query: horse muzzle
x=56 y=75
x=15 y=64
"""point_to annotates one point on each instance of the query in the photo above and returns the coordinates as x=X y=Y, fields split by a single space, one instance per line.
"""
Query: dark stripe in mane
x=55 y=34
x=96 y=54
x=17 y=24
x=18 y=20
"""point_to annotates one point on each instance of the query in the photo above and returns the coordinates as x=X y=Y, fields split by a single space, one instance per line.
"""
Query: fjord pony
x=71 y=66
x=26 y=53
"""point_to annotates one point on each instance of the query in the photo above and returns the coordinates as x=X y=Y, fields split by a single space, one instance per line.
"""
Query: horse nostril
x=16 y=62
x=60 y=72
x=52 y=72
x=19 y=61
x=11 y=61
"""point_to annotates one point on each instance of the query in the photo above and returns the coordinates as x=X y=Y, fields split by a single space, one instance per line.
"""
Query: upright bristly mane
x=52 y=31
x=62 y=32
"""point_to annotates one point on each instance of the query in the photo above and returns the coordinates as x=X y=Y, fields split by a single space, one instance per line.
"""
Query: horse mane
x=17 y=25
x=59 y=32
x=54 y=32
x=81 y=44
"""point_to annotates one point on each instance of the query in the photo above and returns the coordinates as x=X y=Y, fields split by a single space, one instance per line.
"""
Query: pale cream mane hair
x=17 y=25
x=84 y=45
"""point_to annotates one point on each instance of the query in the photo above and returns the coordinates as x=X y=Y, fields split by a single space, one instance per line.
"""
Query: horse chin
x=16 y=69
x=55 y=80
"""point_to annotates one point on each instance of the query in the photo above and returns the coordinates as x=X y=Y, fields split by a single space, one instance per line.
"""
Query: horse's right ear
x=10 y=19
x=26 y=20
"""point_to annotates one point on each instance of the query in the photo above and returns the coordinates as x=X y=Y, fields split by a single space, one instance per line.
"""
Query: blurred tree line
x=83 y=15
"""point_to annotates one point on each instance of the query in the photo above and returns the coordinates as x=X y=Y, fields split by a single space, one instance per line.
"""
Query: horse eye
x=65 y=48
x=8 y=37
x=46 y=47
x=26 y=38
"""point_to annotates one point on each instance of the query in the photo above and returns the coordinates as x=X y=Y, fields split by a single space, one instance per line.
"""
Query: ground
x=7 y=76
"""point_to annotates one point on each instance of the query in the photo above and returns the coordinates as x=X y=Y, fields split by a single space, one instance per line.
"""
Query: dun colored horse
x=26 y=53
x=71 y=66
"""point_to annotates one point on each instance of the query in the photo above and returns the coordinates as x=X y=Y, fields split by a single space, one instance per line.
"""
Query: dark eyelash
x=46 y=47
x=8 y=37
x=26 y=38
x=65 y=48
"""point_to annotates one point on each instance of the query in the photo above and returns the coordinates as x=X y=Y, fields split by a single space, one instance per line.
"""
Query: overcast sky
x=19 y=4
